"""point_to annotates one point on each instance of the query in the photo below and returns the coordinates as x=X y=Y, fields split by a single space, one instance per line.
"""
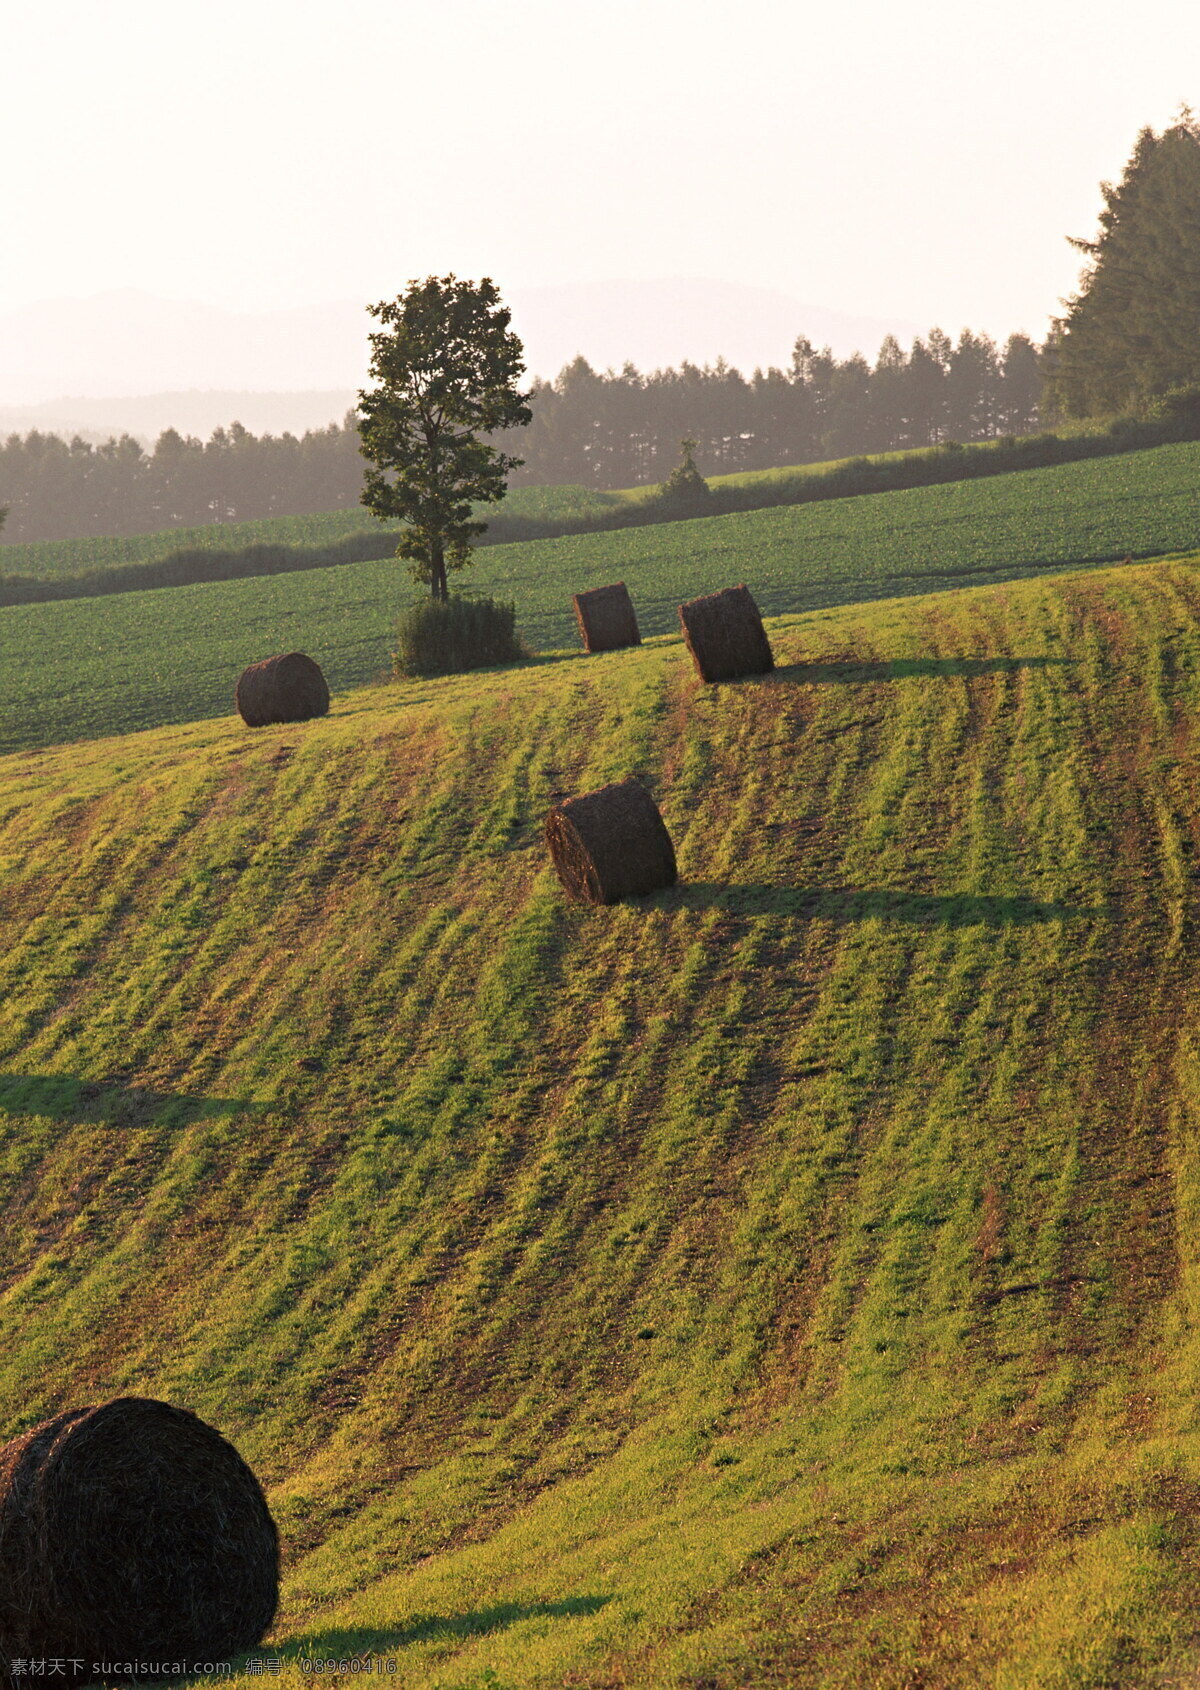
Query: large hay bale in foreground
x=606 y=617
x=611 y=844
x=290 y=688
x=131 y=1531
x=725 y=635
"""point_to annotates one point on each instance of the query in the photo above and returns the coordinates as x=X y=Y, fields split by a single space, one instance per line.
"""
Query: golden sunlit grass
x=789 y=1279
x=87 y=668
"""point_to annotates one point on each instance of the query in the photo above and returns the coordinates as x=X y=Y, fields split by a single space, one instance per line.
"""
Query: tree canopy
x=447 y=365
x=1132 y=332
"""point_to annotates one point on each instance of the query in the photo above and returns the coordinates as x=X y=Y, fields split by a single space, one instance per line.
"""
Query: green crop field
x=94 y=666
x=790 y=1279
x=50 y=558
x=789 y=472
x=551 y=505
x=47 y=558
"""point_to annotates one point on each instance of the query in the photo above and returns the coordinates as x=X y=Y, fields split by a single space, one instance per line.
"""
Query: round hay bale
x=606 y=618
x=131 y=1532
x=290 y=688
x=611 y=844
x=725 y=635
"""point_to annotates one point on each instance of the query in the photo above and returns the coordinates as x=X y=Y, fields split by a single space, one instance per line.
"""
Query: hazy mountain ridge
x=139 y=363
x=196 y=411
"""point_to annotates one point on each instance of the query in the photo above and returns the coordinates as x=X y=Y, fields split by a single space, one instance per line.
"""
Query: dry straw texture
x=611 y=844
x=725 y=635
x=290 y=688
x=131 y=1531
x=606 y=618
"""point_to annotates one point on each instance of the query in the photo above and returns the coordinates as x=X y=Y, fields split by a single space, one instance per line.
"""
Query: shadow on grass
x=425 y=1628
x=563 y=654
x=861 y=903
x=108 y=1102
x=903 y=668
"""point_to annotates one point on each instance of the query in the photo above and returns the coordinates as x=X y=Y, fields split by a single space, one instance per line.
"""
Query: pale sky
x=921 y=160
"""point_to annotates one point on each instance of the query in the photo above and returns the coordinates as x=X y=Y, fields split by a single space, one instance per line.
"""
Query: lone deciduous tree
x=447 y=365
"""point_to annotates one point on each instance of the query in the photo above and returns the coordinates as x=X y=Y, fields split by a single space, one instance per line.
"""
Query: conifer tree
x=1133 y=330
x=685 y=491
x=1021 y=386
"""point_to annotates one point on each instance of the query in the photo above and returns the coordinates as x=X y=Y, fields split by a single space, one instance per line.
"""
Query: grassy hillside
x=791 y=1279
x=99 y=666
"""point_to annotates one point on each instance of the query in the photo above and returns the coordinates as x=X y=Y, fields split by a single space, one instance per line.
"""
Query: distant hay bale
x=725 y=635
x=131 y=1531
x=290 y=688
x=611 y=844
x=606 y=618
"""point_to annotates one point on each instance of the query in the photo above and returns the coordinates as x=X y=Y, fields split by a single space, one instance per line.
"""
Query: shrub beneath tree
x=451 y=636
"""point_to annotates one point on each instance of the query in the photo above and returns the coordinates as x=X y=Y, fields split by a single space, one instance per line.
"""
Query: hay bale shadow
x=476 y=1622
x=849 y=669
x=110 y=1102
x=845 y=904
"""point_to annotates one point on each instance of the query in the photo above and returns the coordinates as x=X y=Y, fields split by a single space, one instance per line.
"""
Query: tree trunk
x=437 y=572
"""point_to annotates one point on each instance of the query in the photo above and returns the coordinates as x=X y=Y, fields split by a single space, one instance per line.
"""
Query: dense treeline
x=63 y=490
x=623 y=429
x=613 y=429
x=1133 y=330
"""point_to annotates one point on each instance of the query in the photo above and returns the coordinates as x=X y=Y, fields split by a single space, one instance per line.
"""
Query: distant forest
x=623 y=429
x=602 y=430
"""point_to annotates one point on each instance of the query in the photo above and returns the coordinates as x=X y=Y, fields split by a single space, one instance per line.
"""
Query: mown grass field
x=792 y=1279
x=88 y=667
